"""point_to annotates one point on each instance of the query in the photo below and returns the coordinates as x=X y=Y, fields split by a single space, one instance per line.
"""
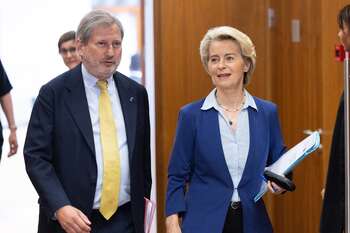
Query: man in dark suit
x=333 y=211
x=91 y=172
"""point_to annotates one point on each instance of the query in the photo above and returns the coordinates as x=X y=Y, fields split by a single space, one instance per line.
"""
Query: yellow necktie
x=111 y=157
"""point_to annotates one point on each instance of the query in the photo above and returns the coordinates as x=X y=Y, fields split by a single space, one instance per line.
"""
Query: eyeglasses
x=64 y=51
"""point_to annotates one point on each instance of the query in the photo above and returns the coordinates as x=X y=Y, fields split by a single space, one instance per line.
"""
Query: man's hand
x=73 y=220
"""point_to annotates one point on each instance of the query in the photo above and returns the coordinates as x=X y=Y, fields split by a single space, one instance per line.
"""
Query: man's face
x=69 y=54
x=101 y=54
x=344 y=36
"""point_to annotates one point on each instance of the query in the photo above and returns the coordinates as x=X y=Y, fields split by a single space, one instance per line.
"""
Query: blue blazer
x=198 y=160
x=59 y=149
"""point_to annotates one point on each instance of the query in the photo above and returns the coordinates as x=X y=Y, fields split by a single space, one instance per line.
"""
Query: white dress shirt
x=92 y=94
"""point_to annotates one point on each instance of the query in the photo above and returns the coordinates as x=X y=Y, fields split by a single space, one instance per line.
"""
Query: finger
x=75 y=226
x=84 y=218
x=67 y=228
x=13 y=149
x=12 y=152
x=81 y=224
x=277 y=188
x=269 y=185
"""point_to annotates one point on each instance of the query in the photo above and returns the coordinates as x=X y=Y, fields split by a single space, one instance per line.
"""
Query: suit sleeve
x=5 y=85
x=277 y=147
x=39 y=153
x=147 y=149
x=180 y=164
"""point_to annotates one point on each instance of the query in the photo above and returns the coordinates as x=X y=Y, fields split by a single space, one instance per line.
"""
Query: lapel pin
x=131 y=99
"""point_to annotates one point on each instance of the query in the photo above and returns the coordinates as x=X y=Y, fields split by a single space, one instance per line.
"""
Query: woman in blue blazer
x=222 y=145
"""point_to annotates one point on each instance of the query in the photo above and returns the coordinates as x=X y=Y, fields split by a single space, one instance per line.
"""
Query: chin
x=228 y=86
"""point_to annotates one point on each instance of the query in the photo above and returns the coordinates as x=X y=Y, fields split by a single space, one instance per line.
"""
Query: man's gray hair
x=94 y=19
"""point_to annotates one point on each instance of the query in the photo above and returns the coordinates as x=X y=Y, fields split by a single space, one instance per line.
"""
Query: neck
x=231 y=99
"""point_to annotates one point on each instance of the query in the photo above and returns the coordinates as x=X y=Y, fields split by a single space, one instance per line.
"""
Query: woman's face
x=226 y=65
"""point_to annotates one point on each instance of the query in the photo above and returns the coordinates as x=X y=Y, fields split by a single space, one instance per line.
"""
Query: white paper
x=290 y=159
x=150 y=207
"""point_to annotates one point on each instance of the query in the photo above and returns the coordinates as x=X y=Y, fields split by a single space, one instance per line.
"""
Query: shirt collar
x=210 y=101
x=91 y=80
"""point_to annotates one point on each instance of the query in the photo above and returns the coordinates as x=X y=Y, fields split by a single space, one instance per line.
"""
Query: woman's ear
x=246 y=66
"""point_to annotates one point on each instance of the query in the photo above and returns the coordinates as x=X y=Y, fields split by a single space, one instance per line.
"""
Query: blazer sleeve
x=39 y=153
x=180 y=164
x=277 y=147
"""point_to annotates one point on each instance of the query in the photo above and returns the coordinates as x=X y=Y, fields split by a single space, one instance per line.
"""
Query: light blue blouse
x=235 y=143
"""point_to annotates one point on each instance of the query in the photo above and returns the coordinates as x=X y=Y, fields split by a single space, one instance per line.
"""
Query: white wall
x=149 y=74
x=29 y=31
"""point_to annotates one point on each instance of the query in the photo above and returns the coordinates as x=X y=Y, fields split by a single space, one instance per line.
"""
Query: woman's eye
x=230 y=58
x=214 y=60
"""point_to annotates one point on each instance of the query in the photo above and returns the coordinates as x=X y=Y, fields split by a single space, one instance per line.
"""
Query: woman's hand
x=12 y=142
x=172 y=224
x=274 y=188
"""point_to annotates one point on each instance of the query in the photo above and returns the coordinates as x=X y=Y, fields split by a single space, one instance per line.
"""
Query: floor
x=18 y=199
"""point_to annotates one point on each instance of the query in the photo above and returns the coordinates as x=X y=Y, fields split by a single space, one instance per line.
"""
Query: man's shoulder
x=125 y=80
x=64 y=79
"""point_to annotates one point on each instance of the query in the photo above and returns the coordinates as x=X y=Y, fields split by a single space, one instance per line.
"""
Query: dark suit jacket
x=198 y=158
x=333 y=212
x=59 y=149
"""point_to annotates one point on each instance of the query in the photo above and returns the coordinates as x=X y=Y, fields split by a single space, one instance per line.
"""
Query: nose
x=110 y=50
x=221 y=64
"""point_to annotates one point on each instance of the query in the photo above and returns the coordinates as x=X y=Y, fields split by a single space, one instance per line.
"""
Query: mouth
x=109 y=63
x=73 y=60
x=225 y=75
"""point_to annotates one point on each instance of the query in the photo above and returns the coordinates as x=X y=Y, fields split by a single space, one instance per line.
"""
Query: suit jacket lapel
x=128 y=103
x=257 y=132
x=78 y=106
x=212 y=138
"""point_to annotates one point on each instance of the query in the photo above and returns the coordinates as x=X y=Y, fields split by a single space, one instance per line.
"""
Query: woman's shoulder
x=193 y=107
x=265 y=104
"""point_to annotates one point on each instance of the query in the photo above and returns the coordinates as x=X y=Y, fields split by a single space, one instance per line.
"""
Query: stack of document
x=290 y=159
x=150 y=207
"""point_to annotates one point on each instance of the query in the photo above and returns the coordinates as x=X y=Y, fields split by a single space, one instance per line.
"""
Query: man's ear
x=80 y=46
